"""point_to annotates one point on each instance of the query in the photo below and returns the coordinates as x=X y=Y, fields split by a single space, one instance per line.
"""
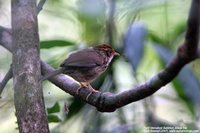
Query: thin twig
x=110 y=30
x=110 y=21
x=40 y=5
x=5 y=80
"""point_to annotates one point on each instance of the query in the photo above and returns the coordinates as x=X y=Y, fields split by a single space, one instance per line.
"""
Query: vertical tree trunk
x=29 y=103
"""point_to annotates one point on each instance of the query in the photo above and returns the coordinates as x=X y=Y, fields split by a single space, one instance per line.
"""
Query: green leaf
x=53 y=118
x=54 y=109
x=55 y=43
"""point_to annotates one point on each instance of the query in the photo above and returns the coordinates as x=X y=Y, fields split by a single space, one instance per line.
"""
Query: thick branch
x=108 y=102
x=192 y=34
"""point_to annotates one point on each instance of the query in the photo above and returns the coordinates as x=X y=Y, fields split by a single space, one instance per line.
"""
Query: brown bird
x=87 y=64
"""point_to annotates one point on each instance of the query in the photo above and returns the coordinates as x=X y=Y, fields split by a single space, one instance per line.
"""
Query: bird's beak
x=116 y=54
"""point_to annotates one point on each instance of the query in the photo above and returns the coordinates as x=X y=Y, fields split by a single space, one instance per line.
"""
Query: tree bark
x=28 y=95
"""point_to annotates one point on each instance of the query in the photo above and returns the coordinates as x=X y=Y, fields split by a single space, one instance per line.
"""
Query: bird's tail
x=54 y=73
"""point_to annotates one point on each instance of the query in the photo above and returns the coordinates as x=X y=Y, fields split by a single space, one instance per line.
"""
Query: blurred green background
x=145 y=32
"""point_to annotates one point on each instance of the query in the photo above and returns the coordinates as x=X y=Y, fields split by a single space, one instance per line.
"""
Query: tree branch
x=192 y=33
x=108 y=102
x=6 y=38
x=40 y=5
x=110 y=21
x=7 y=77
x=6 y=42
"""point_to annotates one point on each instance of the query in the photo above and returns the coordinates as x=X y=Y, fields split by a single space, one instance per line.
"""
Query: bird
x=85 y=65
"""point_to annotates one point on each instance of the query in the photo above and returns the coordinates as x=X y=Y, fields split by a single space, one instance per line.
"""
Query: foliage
x=82 y=23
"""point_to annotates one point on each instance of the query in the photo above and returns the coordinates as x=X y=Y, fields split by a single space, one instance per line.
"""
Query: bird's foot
x=88 y=86
x=82 y=86
x=92 y=91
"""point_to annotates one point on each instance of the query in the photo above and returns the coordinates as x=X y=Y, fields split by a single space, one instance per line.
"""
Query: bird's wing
x=83 y=58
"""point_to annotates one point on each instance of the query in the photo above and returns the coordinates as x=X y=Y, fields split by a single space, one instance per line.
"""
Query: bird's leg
x=82 y=85
x=92 y=91
x=88 y=86
x=91 y=88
